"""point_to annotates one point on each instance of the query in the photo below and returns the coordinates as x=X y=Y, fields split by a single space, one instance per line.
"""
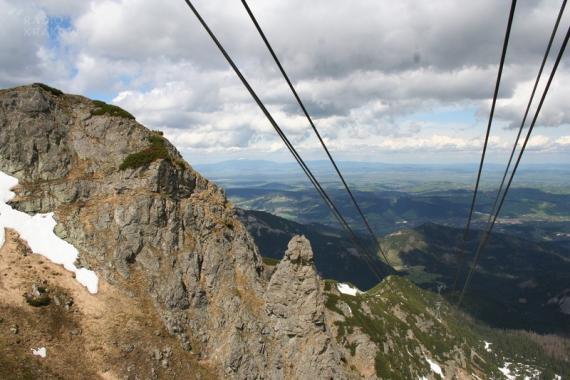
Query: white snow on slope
x=513 y=371
x=507 y=372
x=347 y=289
x=40 y=351
x=487 y=346
x=37 y=231
x=435 y=367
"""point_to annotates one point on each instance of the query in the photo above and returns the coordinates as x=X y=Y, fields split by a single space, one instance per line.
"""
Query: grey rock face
x=295 y=304
x=293 y=296
x=164 y=232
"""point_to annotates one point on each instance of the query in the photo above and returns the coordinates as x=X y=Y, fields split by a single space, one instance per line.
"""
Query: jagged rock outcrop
x=162 y=231
x=296 y=306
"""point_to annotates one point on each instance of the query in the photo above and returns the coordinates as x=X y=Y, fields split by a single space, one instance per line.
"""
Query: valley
x=396 y=196
x=521 y=282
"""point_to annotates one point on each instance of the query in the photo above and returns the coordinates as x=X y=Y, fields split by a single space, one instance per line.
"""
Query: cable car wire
x=487 y=133
x=309 y=118
x=538 y=76
x=461 y=258
x=288 y=144
x=487 y=233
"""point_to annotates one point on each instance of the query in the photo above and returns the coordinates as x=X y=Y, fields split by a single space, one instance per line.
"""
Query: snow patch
x=488 y=346
x=40 y=351
x=507 y=372
x=435 y=367
x=37 y=231
x=514 y=371
x=347 y=289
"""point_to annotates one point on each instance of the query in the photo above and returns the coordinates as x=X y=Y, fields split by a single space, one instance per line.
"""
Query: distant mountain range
x=238 y=171
x=356 y=165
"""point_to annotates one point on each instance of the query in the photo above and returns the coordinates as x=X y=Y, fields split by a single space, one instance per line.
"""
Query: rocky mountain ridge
x=157 y=230
x=336 y=255
x=184 y=292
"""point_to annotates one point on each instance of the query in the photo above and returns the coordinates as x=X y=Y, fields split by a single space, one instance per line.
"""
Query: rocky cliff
x=152 y=228
x=183 y=292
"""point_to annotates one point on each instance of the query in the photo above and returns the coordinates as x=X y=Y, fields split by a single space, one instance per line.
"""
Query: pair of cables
x=502 y=194
x=369 y=257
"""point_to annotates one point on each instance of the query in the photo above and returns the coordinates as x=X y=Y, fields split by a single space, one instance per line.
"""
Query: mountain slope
x=412 y=333
x=335 y=254
x=110 y=335
x=150 y=226
x=515 y=285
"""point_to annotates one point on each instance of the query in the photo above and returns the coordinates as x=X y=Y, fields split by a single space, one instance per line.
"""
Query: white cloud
x=362 y=69
x=538 y=142
x=554 y=112
x=564 y=141
x=22 y=35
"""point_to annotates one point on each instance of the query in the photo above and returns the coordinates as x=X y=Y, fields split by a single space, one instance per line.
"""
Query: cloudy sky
x=396 y=81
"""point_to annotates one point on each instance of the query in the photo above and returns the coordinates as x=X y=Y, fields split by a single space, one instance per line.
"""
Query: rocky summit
x=154 y=229
x=183 y=292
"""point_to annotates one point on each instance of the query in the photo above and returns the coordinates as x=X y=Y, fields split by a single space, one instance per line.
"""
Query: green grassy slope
x=512 y=286
x=410 y=325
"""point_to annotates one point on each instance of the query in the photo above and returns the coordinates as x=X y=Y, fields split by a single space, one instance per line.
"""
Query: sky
x=394 y=81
